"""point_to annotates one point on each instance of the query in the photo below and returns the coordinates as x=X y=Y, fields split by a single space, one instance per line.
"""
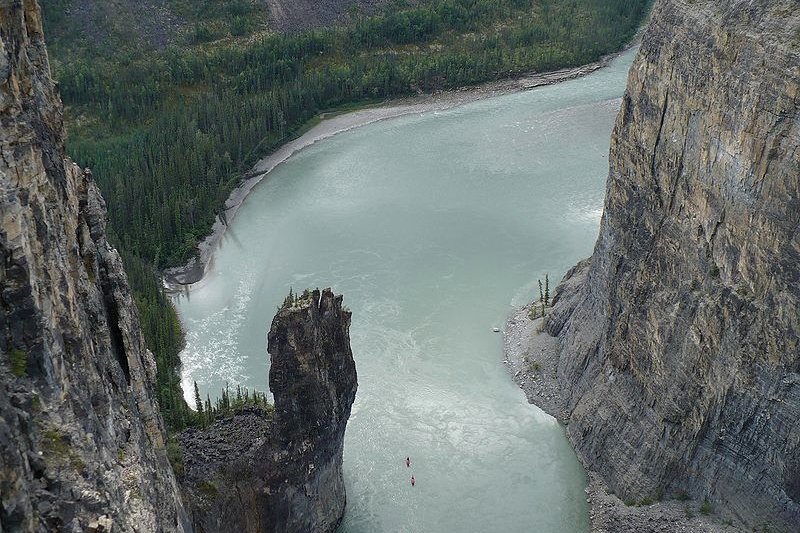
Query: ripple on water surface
x=432 y=226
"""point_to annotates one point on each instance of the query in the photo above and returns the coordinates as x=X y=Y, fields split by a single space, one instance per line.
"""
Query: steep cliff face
x=679 y=338
x=313 y=379
x=81 y=439
x=282 y=471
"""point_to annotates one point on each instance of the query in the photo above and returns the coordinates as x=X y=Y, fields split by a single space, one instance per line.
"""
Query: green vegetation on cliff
x=162 y=331
x=169 y=125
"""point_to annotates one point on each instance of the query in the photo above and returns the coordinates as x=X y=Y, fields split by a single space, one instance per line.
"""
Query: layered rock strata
x=81 y=439
x=680 y=338
x=281 y=469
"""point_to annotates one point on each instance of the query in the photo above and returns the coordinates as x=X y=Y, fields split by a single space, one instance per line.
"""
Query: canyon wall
x=81 y=438
x=679 y=337
x=281 y=469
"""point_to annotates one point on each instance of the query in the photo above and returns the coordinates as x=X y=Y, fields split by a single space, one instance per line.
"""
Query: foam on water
x=212 y=349
x=433 y=227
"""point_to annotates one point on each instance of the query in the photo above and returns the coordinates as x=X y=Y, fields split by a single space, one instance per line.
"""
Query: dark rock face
x=282 y=471
x=81 y=439
x=313 y=379
x=680 y=338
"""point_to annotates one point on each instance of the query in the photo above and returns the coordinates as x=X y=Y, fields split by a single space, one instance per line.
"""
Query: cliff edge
x=81 y=438
x=281 y=469
x=679 y=364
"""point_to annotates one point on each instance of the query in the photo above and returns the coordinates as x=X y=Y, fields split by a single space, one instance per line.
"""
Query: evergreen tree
x=546 y=289
x=198 y=402
x=168 y=134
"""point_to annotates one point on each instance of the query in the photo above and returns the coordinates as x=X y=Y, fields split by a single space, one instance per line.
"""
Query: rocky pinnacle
x=313 y=379
x=281 y=469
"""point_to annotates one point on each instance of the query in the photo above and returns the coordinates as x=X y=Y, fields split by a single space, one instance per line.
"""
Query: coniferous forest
x=168 y=131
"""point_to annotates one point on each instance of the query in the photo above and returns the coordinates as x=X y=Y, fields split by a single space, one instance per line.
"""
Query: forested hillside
x=169 y=125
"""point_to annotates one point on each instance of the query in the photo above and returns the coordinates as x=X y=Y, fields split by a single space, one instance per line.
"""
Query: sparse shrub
x=76 y=462
x=208 y=488
x=54 y=442
x=706 y=508
x=713 y=271
x=175 y=456
x=57 y=446
x=743 y=290
x=19 y=362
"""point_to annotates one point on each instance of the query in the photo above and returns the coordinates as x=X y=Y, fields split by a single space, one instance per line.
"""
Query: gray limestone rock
x=680 y=337
x=81 y=438
x=281 y=470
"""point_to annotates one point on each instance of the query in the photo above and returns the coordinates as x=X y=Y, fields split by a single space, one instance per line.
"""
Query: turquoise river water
x=434 y=227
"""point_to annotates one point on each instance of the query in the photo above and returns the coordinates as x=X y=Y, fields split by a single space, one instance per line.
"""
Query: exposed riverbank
x=184 y=276
x=532 y=358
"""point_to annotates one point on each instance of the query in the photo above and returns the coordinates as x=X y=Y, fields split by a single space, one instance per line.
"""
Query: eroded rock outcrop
x=680 y=337
x=81 y=439
x=281 y=470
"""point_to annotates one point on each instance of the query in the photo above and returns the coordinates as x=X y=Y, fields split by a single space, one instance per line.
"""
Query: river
x=434 y=227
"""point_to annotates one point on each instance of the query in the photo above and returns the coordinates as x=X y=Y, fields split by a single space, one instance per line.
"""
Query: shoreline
x=531 y=357
x=191 y=274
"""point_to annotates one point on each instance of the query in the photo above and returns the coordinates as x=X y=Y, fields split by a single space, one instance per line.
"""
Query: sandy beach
x=184 y=277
